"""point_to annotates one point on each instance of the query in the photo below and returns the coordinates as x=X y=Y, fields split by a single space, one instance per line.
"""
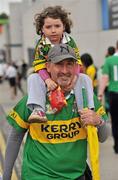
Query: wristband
x=100 y=123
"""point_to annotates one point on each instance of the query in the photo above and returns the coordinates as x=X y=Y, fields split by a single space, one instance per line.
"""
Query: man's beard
x=64 y=80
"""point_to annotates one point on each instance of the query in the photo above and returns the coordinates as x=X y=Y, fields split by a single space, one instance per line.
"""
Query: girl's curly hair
x=55 y=12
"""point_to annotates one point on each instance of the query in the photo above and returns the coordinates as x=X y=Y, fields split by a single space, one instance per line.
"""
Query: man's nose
x=64 y=69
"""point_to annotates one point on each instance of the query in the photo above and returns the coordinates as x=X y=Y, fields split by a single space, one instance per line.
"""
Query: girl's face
x=53 y=29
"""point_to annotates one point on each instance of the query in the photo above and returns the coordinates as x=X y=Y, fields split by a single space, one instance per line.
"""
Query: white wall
x=87 y=26
x=16 y=32
x=84 y=14
x=3 y=37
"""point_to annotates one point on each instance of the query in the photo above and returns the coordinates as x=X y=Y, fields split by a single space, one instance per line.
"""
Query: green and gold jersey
x=56 y=149
x=111 y=69
x=42 y=48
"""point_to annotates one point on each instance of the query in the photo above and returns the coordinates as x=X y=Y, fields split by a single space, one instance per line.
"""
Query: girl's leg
x=36 y=98
x=84 y=81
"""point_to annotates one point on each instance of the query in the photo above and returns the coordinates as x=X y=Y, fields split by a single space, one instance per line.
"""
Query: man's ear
x=48 y=66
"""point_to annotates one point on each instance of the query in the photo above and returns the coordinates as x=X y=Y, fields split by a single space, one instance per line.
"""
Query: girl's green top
x=44 y=45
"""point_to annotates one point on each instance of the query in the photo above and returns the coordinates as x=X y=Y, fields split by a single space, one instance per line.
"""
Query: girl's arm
x=51 y=85
x=43 y=74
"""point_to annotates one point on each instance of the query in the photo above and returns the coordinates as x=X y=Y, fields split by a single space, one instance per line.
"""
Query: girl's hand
x=51 y=85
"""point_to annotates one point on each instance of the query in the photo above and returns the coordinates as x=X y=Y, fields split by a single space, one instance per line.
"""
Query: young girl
x=54 y=26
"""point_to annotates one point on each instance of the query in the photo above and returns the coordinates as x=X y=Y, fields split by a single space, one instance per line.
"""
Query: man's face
x=63 y=72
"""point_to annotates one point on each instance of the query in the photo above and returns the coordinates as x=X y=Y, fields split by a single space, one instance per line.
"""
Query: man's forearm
x=103 y=83
x=13 y=145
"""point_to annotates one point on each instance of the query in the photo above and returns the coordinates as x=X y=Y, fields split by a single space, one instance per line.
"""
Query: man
x=110 y=78
x=56 y=149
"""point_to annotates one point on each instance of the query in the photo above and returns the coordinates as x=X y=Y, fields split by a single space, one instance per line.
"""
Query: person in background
x=24 y=68
x=56 y=149
x=11 y=75
x=110 y=52
x=90 y=69
x=110 y=79
x=19 y=78
x=19 y=81
x=1 y=72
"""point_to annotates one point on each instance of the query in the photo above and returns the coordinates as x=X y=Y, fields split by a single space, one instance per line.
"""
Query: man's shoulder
x=110 y=58
x=111 y=61
x=83 y=76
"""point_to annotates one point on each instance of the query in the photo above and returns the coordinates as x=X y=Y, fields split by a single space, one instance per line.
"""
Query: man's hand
x=89 y=117
x=100 y=97
x=51 y=85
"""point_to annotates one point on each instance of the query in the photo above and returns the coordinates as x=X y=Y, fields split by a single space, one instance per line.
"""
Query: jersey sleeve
x=105 y=69
x=76 y=49
x=18 y=116
x=40 y=56
x=99 y=109
x=91 y=72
